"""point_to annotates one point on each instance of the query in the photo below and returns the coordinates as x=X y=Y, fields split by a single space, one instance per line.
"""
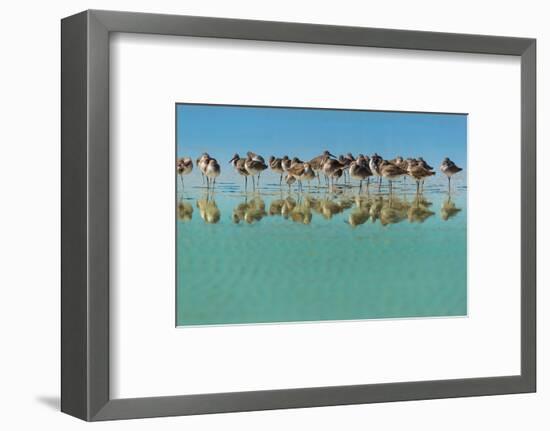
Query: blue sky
x=223 y=130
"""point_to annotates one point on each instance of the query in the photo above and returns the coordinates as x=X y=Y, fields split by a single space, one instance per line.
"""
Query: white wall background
x=30 y=202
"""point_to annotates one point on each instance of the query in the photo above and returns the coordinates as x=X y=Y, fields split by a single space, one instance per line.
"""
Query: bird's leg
x=202 y=178
x=253 y=183
x=318 y=178
x=379 y=184
x=181 y=178
x=360 y=185
x=417 y=187
x=281 y=180
x=449 y=178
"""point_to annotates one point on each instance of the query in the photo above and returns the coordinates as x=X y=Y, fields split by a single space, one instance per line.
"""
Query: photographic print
x=305 y=214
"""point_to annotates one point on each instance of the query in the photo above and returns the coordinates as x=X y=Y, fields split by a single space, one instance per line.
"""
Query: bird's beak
x=331 y=155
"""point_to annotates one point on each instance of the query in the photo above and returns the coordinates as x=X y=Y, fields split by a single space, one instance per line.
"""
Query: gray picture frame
x=85 y=214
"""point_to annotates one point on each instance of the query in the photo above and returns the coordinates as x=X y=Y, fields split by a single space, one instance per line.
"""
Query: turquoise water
x=274 y=255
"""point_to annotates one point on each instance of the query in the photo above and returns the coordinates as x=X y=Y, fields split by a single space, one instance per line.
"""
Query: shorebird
x=285 y=164
x=238 y=164
x=374 y=165
x=254 y=166
x=308 y=174
x=418 y=172
x=295 y=161
x=296 y=170
x=290 y=180
x=317 y=163
x=202 y=162
x=212 y=171
x=424 y=164
x=346 y=162
x=449 y=168
x=255 y=156
x=391 y=172
x=333 y=169
x=184 y=166
x=359 y=170
x=275 y=165
x=302 y=172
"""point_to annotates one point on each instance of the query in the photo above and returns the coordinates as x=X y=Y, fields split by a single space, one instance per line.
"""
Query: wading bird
x=275 y=164
x=184 y=166
x=391 y=172
x=449 y=168
x=317 y=163
x=202 y=163
x=418 y=172
x=212 y=172
x=333 y=170
x=238 y=164
x=359 y=170
x=374 y=165
x=254 y=166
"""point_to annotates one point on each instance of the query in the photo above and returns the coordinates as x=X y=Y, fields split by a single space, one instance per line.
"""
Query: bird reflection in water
x=360 y=214
x=185 y=211
x=419 y=211
x=208 y=209
x=449 y=209
x=301 y=212
x=249 y=211
x=393 y=211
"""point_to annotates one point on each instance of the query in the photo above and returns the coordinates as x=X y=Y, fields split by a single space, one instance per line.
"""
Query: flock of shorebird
x=360 y=168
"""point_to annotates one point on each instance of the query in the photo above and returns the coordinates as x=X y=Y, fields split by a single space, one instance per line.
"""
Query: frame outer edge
x=85 y=215
x=529 y=216
x=74 y=303
x=98 y=215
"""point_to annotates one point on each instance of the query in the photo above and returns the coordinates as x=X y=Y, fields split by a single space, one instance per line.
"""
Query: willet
x=418 y=172
x=333 y=170
x=359 y=170
x=317 y=163
x=238 y=164
x=391 y=172
x=308 y=174
x=275 y=165
x=374 y=165
x=449 y=168
x=184 y=166
x=202 y=163
x=254 y=166
x=289 y=180
x=212 y=172
x=285 y=163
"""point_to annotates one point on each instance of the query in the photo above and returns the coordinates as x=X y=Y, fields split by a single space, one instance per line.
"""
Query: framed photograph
x=264 y=215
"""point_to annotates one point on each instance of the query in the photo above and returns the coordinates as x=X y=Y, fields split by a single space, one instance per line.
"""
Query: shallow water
x=274 y=255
